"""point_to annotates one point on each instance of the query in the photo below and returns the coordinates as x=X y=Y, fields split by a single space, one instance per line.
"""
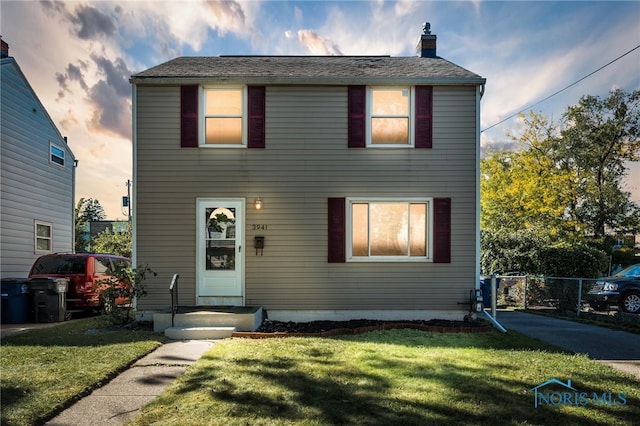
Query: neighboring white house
x=37 y=169
x=316 y=187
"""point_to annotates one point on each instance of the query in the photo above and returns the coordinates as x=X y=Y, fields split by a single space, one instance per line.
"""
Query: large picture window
x=224 y=112
x=389 y=229
x=390 y=122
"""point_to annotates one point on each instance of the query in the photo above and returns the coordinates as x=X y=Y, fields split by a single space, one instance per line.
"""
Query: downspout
x=132 y=204
x=73 y=195
x=494 y=321
x=73 y=206
x=479 y=93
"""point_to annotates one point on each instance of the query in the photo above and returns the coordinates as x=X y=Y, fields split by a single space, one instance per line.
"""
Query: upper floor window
x=56 y=154
x=390 y=116
x=43 y=237
x=224 y=116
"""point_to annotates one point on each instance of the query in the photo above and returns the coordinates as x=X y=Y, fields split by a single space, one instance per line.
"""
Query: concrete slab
x=177 y=352
x=119 y=400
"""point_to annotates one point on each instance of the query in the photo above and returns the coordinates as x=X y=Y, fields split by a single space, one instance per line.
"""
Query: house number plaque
x=259 y=227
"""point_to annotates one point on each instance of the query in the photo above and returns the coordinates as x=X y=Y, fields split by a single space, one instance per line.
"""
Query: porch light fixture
x=258 y=204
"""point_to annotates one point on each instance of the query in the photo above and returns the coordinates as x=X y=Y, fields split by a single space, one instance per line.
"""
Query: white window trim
x=64 y=159
x=349 y=229
x=202 y=117
x=369 y=103
x=36 y=237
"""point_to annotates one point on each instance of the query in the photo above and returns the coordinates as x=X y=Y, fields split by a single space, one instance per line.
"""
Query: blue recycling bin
x=485 y=286
x=15 y=301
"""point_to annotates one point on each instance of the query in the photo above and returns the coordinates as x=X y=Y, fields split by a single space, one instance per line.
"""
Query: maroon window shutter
x=424 y=117
x=357 y=116
x=442 y=230
x=189 y=116
x=256 y=117
x=336 y=216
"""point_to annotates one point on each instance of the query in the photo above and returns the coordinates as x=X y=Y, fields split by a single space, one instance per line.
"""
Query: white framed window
x=390 y=116
x=56 y=154
x=224 y=111
x=43 y=232
x=389 y=229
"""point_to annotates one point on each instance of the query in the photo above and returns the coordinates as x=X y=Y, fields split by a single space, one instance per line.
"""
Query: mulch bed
x=334 y=328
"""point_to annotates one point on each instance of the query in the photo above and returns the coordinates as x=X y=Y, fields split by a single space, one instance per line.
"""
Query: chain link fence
x=562 y=294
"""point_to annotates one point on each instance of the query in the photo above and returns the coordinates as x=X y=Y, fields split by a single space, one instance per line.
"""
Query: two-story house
x=37 y=171
x=316 y=187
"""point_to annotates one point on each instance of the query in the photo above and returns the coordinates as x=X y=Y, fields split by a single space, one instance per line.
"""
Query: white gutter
x=316 y=81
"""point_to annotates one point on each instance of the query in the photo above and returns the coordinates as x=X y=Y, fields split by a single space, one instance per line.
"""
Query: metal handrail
x=174 y=300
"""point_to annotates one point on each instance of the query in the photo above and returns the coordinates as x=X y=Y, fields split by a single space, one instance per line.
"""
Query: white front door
x=220 y=270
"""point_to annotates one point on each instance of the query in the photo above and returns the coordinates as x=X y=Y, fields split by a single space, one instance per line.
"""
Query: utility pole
x=126 y=202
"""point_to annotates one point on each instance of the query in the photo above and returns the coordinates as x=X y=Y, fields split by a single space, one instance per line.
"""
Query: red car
x=83 y=271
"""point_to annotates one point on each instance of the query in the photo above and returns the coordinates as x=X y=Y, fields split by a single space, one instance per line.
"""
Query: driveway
x=619 y=349
x=9 y=329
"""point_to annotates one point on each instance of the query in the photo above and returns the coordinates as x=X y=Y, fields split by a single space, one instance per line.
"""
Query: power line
x=561 y=90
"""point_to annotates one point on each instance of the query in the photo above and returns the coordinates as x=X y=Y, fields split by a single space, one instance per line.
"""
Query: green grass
x=386 y=378
x=45 y=370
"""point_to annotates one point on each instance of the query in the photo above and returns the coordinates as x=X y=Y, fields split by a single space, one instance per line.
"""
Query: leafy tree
x=87 y=210
x=113 y=242
x=599 y=137
x=525 y=189
x=567 y=179
x=90 y=210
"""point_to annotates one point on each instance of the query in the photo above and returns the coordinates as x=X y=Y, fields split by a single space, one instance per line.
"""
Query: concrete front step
x=242 y=318
x=198 y=333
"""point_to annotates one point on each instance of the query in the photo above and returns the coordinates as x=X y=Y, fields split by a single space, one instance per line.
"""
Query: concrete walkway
x=119 y=400
x=619 y=349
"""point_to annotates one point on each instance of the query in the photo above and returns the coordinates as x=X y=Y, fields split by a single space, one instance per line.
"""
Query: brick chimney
x=5 y=48
x=426 y=47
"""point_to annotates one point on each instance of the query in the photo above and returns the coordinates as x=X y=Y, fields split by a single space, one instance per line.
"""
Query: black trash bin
x=49 y=299
x=485 y=286
x=15 y=300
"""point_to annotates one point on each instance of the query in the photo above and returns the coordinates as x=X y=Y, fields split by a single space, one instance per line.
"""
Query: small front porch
x=207 y=322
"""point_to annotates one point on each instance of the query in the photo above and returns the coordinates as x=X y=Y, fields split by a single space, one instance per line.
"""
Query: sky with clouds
x=79 y=55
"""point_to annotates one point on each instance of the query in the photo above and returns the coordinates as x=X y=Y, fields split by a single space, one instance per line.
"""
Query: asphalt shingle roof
x=308 y=69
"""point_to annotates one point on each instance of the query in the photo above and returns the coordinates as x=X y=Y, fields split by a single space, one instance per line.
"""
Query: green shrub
x=570 y=260
x=123 y=286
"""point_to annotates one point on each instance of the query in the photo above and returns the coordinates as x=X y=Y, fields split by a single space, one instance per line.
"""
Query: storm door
x=219 y=249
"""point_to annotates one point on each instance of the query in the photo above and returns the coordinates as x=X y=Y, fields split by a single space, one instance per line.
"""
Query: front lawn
x=391 y=377
x=45 y=370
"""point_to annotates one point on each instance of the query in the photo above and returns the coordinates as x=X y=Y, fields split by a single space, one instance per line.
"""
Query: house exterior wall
x=305 y=162
x=33 y=189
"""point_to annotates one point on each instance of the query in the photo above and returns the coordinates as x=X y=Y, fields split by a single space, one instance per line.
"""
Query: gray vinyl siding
x=306 y=161
x=32 y=188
